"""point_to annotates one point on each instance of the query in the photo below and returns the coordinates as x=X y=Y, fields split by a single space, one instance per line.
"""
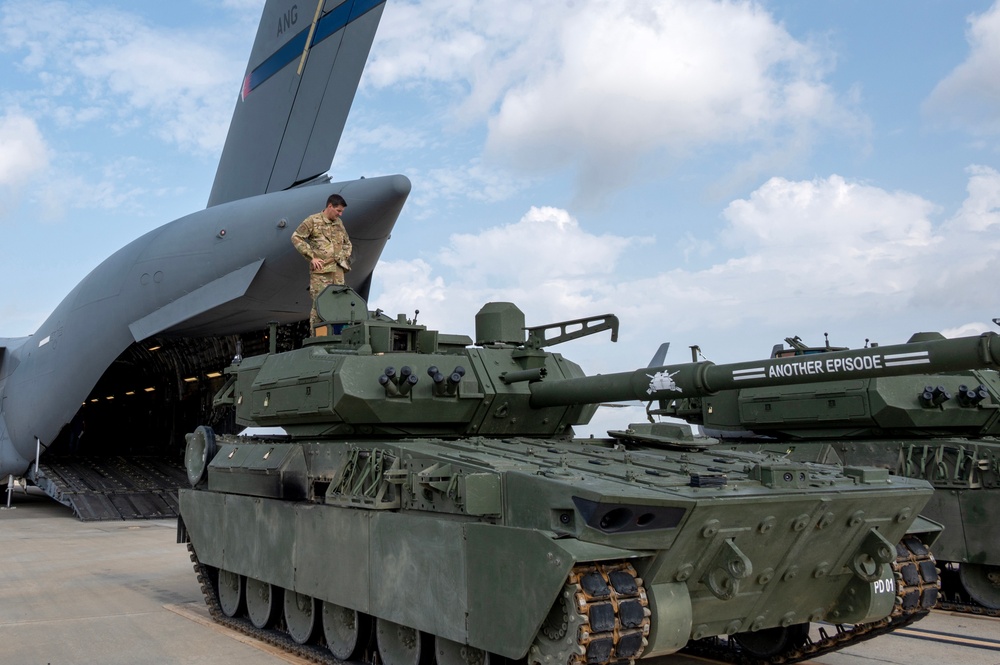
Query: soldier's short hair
x=336 y=200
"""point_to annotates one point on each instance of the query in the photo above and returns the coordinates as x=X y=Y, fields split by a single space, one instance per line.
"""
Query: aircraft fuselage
x=224 y=270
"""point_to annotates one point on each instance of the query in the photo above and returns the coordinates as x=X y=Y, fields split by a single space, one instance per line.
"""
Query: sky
x=720 y=174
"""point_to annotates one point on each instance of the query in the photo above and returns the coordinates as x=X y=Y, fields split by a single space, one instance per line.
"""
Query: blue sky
x=716 y=173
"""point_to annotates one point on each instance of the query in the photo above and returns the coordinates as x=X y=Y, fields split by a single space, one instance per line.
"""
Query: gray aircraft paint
x=230 y=268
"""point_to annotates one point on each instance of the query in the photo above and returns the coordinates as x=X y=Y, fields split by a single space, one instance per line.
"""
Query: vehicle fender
x=509 y=597
x=670 y=623
x=866 y=601
x=926 y=529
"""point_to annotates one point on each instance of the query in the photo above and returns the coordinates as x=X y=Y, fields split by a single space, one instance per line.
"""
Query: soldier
x=322 y=239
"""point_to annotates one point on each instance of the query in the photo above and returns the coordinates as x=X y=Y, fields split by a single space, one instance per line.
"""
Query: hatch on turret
x=345 y=319
x=339 y=305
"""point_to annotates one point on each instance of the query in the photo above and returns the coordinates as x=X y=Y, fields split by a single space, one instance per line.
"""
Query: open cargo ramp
x=113 y=488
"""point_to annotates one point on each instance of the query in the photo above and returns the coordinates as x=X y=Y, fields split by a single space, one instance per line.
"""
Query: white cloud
x=453 y=33
x=830 y=230
x=412 y=282
x=596 y=85
x=532 y=253
x=969 y=257
x=382 y=137
x=23 y=154
x=969 y=329
x=981 y=209
x=103 y=65
x=180 y=86
x=435 y=183
x=807 y=255
x=116 y=186
x=473 y=182
x=96 y=79
x=804 y=251
x=545 y=263
x=969 y=97
x=23 y=151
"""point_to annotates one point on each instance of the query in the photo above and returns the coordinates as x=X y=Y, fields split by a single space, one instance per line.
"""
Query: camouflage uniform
x=319 y=238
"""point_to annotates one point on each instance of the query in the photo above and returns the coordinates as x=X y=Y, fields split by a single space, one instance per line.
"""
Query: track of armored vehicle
x=430 y=501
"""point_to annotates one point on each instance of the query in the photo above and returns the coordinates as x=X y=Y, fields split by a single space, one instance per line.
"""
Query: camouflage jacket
x=319 y=238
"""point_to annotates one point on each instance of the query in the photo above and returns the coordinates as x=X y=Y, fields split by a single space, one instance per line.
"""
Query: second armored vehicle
x=429 y=492
x=941 y=427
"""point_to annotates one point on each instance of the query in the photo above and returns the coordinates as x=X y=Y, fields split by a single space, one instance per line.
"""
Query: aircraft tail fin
x=304 y=69
x=660 y=357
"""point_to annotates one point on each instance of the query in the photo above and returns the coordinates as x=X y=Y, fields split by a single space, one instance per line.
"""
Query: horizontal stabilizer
x=8 y=355
x=225 y=289
x=300 y=82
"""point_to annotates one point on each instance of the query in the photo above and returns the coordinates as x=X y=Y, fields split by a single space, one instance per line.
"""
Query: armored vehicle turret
x=429 y=500
x=935 y=425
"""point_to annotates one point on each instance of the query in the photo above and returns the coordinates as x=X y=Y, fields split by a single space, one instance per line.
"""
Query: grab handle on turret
x=574 y=329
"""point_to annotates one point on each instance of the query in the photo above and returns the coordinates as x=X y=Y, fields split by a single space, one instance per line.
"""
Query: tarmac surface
x=108 y=593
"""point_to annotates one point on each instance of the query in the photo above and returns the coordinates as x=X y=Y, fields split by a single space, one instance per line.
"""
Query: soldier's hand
x=316 y=264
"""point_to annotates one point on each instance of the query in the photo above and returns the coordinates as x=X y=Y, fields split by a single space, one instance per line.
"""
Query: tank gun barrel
x=705 y=378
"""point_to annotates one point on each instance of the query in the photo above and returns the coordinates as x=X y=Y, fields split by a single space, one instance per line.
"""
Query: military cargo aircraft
x=94 y=404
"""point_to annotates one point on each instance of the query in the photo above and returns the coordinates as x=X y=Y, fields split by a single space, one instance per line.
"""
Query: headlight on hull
x=627 y=518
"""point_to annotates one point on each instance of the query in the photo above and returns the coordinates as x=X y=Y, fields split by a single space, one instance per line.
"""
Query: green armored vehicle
x=429 y=501
x=940 y=427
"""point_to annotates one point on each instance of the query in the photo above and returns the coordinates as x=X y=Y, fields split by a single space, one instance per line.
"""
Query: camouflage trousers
x=317 y=282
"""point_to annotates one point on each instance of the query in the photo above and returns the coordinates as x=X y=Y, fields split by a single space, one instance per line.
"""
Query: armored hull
x=561 y=551
x=420 y=514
